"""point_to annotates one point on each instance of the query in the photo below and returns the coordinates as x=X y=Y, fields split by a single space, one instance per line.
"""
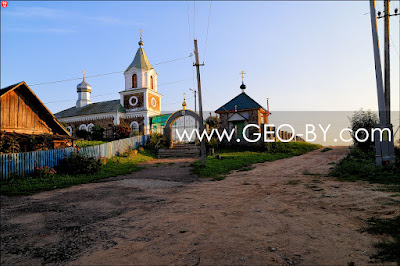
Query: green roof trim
x=140 y=61
x=94 y=108
x=242 y=102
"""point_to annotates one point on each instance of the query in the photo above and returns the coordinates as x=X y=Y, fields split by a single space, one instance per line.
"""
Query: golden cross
x=84 y=74
x=184 y=96
x=141 y=34
x=242 y=73
x=235 y=108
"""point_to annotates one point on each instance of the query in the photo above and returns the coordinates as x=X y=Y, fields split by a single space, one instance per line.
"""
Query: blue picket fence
x=25 y=163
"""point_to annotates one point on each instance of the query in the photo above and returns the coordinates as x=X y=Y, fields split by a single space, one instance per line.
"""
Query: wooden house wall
x=20 y=113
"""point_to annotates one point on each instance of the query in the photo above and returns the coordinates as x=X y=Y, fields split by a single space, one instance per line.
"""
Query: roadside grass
x=358 y=165
x=115 y=166
x=306 y=172
x=238 y=158
x=326 y=149
x=388 y=250
x=86 y=143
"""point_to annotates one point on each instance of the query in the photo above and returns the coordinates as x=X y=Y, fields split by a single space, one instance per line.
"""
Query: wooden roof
x=56 y=127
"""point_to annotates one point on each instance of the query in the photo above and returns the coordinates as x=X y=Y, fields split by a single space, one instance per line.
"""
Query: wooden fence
x=25 y=163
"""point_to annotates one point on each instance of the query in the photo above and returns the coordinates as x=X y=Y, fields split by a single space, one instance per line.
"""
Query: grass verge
x=238 y=158
x=388 y=250
x=115 y=166
x=358 y=165
x=86 y=143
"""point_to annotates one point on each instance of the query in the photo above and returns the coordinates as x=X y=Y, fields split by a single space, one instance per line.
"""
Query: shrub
x=103 y=160
x=76 y=164
x=135 y=133
x=213 y=143
x=10 y=145
x=122 y=131
x=97 y=133
x=82 y=134
x=156 y=142
x=212 y=121
x=44 y=172
x=366 y=120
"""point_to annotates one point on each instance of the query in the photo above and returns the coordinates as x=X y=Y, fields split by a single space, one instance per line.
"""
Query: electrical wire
x=208 y=26
x=187 y=9
x=194 y=19
x=105 y=74
x=167 y=83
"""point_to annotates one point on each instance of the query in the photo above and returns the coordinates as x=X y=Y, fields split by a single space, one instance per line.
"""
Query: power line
x=194 y=19
x=394 y=45
x=187 y=9
x=167 y=83
x=208 y=25
x=105 y=74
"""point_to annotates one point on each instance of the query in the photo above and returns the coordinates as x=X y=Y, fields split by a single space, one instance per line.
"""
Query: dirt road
x=273 y=214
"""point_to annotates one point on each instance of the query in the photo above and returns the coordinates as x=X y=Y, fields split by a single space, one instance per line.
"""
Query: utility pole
x=387 y=62
x=384 y=149
x=201 y=126
x=387 y=91
x=195 y=92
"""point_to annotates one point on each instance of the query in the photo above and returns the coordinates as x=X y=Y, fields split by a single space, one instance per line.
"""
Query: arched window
x=69 y=128
x=134 y=81
x=134 y=126
x=151 y=83
x=89 y=127
x=83 y=127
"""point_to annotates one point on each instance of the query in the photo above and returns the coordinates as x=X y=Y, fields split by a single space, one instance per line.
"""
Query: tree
x=212 y=121
x=366 y=120
x=97 y=133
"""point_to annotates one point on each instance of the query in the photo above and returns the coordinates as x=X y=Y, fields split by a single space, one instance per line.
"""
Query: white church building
x=138 y=102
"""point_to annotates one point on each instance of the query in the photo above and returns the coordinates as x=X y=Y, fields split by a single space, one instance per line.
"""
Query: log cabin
x=22 y=115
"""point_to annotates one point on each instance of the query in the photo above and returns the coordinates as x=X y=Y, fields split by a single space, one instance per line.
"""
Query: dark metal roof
x=94 y=108
x=242 y=102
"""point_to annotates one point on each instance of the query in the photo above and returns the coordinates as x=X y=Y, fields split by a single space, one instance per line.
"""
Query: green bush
x=122 y=131
x=360 y=165
x=82 y=134
x=156 y=142
x=97 y=133
x=76 y=164
x=9 y=145
x=366 y=120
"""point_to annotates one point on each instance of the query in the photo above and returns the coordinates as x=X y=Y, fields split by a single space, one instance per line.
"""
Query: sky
x=303 y=56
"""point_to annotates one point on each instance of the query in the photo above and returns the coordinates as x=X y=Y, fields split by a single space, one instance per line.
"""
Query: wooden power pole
x=201 y=126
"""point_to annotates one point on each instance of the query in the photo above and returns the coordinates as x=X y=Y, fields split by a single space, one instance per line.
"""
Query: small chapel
x=137 y=103
x=241 y=111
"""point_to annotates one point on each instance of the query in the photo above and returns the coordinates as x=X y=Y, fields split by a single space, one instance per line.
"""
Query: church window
x=134 y=126
x=133 y=100
x=90 y=127
x=151 y=83
x=134 y=81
